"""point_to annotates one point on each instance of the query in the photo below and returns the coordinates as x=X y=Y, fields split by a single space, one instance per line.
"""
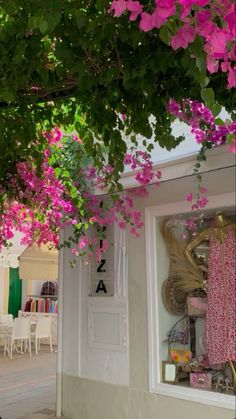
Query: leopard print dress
x=221 y=299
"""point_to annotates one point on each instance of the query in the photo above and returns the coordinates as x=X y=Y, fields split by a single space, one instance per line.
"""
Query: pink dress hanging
x=221 y=299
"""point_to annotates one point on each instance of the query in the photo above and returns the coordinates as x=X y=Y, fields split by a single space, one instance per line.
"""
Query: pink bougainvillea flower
x=200 y=3
x=47 y=153
x=231 y=21
x=76 y=139
x=189 y=197
x=186 y=6
x=135 y=8
x=165 y=8
x=157 y=20
x=232 y=77
x=146 y=22
x=212 y=64
x=203 y=190
x=204 y=24
x=218 y=42
x=119 y=7
x=232 y=147
x=128 y=159
x=83 y=242
x=74 y=252
x=129 y=202
x=122 y=224
x=183 y=37
x=202 y=202
x=224 y=66
x=54 y=136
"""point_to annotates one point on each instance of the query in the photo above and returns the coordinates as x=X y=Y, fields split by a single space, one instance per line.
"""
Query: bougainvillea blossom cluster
x=208 y=133
x=213 y=21
x=39 y=203
x=203 y=124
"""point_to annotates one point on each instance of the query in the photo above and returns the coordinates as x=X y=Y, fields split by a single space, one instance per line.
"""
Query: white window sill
x=196 y=395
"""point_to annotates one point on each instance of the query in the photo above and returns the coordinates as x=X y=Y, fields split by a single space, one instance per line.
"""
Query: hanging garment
x=221 y=299
x=40 y=305
x=47 y=305
x=33 y=306
x=43 y=306
x=28 y=305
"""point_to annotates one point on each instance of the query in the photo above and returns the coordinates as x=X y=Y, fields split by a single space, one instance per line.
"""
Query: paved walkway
x=28 y=386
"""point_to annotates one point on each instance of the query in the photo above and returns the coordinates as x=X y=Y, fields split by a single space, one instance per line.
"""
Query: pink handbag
x=201 y=379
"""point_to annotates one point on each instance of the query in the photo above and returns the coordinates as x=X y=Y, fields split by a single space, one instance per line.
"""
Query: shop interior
x=197 y=300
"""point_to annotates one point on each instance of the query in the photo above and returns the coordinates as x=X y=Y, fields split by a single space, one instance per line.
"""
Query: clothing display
x=208 y=301
x=41 y=305
x=221 y=299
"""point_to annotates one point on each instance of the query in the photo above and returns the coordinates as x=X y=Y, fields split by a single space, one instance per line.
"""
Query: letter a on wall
x=101 y=287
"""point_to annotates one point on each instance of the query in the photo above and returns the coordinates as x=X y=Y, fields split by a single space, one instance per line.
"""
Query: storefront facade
x=111 y=348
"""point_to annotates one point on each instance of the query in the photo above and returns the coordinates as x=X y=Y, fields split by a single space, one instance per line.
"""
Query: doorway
x=15 y=291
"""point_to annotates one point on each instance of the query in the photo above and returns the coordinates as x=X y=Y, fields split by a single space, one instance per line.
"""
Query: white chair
x=42 y=331
x=20 y=334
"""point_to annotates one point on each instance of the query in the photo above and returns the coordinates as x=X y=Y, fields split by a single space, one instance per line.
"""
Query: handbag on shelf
x=201 y=379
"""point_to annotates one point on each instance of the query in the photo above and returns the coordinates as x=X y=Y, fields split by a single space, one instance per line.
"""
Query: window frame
x=155 y=385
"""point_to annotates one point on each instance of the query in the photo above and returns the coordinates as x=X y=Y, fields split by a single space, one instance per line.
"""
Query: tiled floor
x=28 y=386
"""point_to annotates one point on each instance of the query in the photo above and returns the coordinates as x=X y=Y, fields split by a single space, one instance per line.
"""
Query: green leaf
x=57 y=172
x=230 y=138
x=8 y=96
x=43 y=25
x=165 y=35
x=208 y=96
x=101 y=4
x=219 y=121
x=216 y=109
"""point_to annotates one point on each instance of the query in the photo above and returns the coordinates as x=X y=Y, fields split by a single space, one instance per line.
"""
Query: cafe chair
x=20 y=334
x=42 y=331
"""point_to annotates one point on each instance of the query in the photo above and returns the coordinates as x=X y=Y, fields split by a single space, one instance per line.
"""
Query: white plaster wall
x=70 y=314
x=84 y=398
x=1 y=289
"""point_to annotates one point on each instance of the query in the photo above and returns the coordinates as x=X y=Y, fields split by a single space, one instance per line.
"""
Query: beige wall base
x=88 y=399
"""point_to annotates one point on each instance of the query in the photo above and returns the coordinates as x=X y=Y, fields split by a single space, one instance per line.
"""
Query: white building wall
x=93 y=393
x=1 y=289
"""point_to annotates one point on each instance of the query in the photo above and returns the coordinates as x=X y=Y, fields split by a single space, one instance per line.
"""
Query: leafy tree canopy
x=71 y=63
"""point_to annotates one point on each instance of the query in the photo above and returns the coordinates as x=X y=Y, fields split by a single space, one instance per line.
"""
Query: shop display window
x=199 y=296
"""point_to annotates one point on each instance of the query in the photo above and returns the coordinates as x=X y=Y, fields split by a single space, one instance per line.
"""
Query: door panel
x=15 y=286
